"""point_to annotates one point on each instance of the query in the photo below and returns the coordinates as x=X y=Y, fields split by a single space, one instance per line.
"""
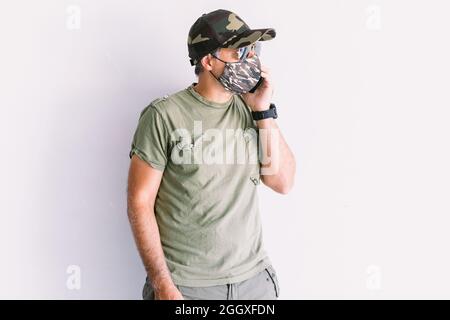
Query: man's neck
x=213 y=91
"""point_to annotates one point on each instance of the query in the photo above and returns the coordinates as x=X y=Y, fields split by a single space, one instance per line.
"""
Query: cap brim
x=250 y=36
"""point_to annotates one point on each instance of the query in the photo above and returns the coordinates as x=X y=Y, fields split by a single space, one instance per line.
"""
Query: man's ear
x=206 y=62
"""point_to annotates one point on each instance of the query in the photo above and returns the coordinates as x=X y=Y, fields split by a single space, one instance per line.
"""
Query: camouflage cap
x=222 y=29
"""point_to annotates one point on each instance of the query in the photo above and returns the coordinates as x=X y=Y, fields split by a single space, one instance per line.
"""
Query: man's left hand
x=260 y=100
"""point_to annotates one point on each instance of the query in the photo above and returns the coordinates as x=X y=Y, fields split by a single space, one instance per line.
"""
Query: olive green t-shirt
x=207 y=205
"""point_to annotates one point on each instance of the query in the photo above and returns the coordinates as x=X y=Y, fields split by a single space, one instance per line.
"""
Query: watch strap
x=269 y=113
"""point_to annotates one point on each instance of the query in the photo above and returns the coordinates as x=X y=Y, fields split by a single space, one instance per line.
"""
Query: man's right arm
x=143 y=185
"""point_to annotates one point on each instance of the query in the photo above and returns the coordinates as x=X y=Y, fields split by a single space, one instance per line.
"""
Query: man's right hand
x=168 y=293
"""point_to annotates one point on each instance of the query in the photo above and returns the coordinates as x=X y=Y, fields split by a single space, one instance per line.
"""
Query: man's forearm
x=278 y=166
x=146 y=234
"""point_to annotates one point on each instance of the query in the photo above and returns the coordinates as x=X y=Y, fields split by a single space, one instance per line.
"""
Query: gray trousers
x=263 y=286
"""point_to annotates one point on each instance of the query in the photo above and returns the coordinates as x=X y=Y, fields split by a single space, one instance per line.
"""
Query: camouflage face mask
x=240 y=77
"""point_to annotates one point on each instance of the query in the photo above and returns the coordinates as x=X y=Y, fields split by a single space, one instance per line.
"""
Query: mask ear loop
x=214 y=56
x=214 y=76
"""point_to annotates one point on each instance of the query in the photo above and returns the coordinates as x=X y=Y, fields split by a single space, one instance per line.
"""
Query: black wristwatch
x=269 y=113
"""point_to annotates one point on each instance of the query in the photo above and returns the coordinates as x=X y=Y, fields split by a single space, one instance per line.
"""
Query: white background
x=362 y=89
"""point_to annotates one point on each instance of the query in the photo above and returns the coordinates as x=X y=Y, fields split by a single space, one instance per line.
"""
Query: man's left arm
x=277 y=161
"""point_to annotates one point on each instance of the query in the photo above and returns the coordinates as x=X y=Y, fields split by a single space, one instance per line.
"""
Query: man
x=192 y=198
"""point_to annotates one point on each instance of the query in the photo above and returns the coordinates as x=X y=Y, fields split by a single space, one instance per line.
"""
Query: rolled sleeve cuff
x=144 y=157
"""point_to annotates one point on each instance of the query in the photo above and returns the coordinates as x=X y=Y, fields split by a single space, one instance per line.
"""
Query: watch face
x=274 y=111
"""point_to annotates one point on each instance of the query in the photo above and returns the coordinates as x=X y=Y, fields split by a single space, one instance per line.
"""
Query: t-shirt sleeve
x=150 y=139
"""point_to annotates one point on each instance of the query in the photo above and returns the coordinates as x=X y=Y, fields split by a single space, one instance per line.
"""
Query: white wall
x=362 y=89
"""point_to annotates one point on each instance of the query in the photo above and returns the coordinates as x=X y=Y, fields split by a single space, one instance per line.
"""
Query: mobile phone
x=261 y=79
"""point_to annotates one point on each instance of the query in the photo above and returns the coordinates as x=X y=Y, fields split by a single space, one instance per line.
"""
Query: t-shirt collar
x=207 y=102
